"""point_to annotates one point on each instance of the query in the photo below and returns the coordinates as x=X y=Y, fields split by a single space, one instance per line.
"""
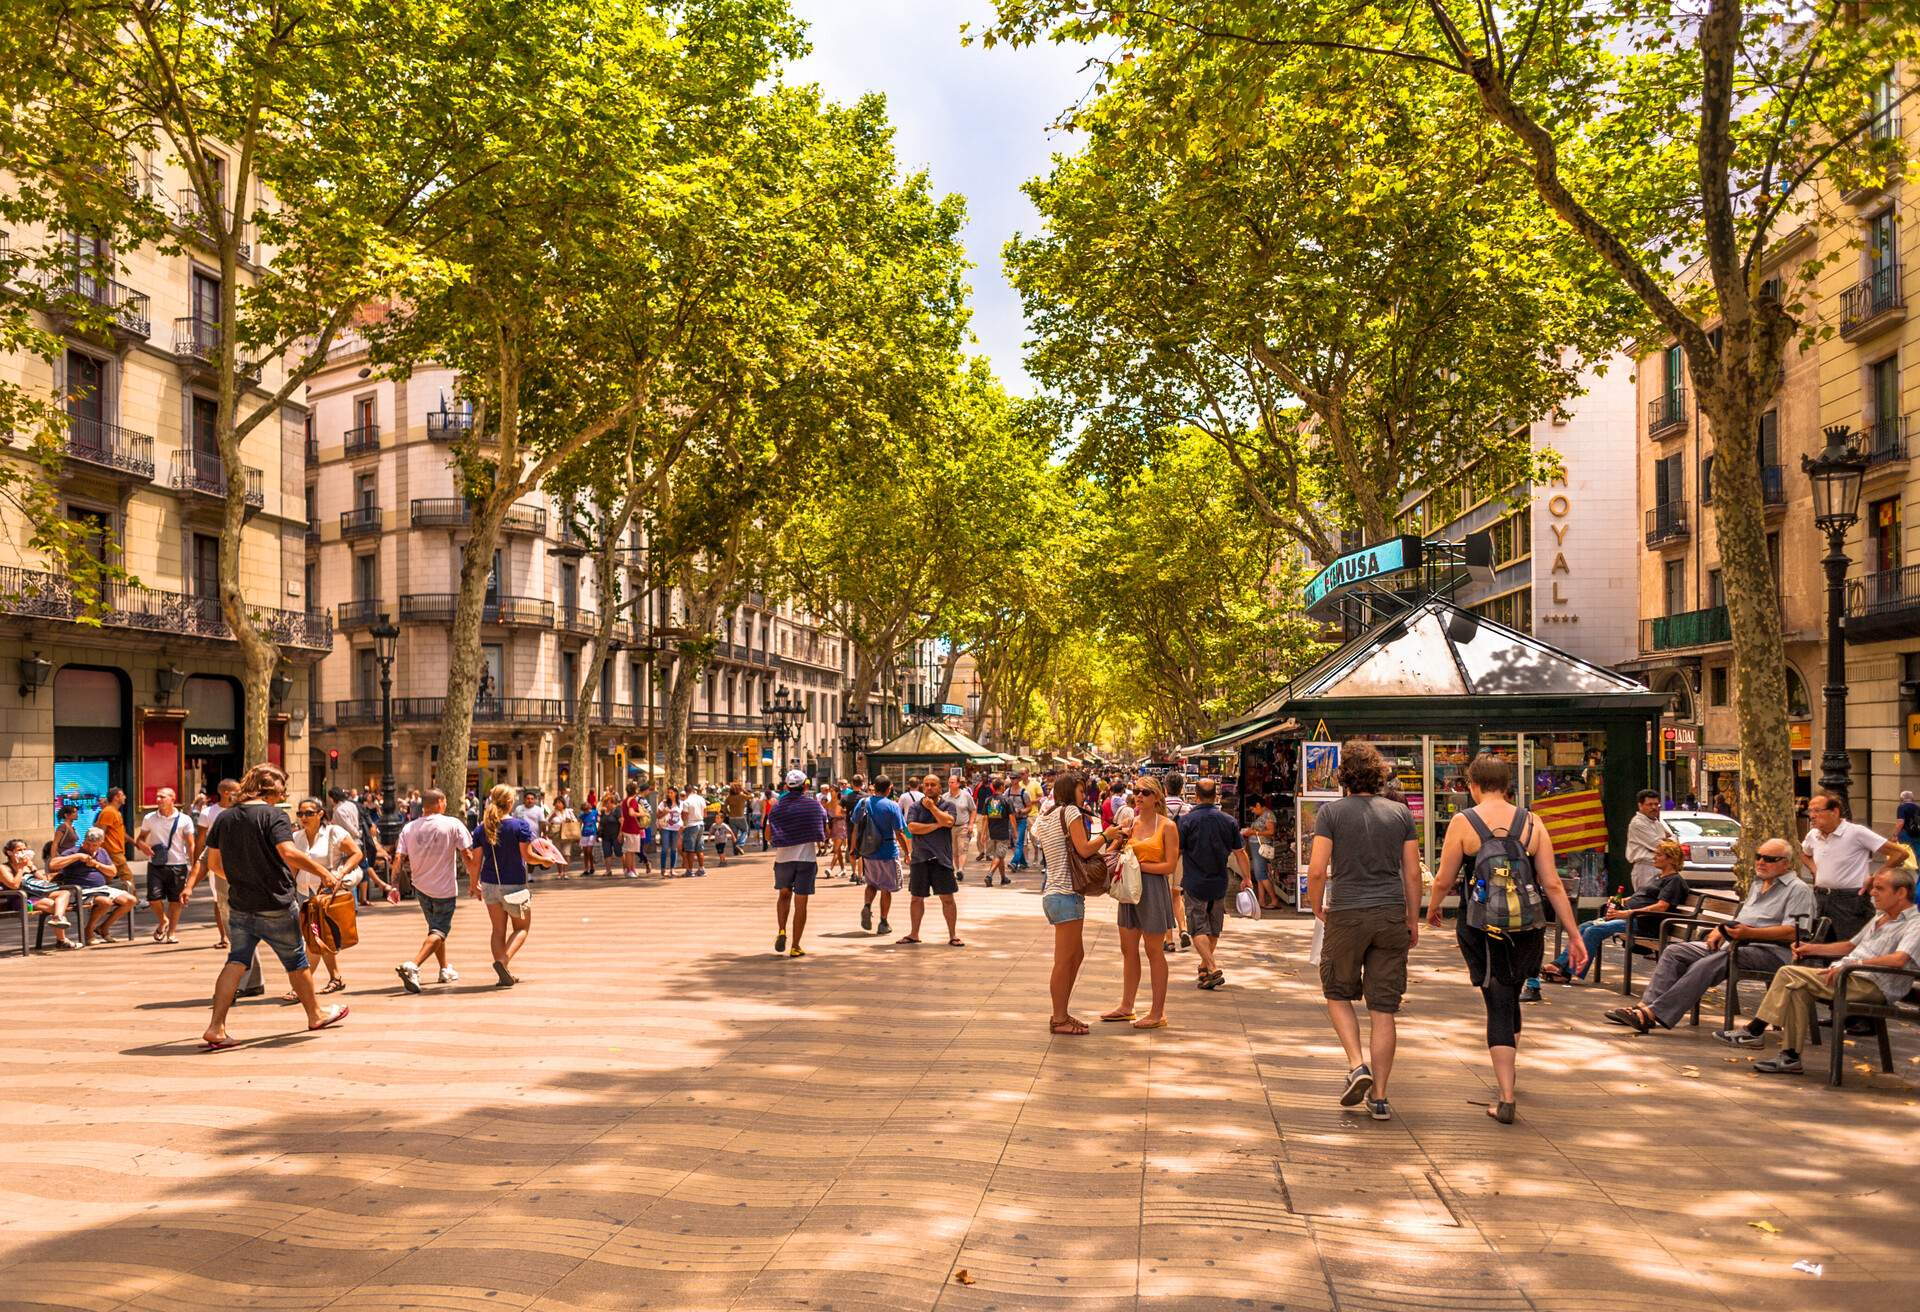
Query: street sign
x=1356 y=567
x=753 y=744
x=766 y=756
x=480 y=752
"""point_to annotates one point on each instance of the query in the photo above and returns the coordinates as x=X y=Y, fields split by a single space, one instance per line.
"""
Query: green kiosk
x=1431 y=684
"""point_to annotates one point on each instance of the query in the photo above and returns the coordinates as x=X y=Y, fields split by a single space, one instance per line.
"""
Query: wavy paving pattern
x=667 y=1116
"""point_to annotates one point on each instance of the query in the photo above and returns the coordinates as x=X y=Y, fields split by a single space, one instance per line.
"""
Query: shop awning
x=1233 y=735
x=934 y=743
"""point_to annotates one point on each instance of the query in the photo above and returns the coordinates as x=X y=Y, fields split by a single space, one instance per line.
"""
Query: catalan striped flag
x=1575 y=821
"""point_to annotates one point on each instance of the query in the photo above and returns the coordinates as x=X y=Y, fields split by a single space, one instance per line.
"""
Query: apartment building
x=1564 y=564
x=385 y=526
x=1869 y=381
x=144 y=692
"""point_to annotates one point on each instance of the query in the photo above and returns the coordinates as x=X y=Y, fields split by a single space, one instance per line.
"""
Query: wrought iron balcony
x=441 y=512
x=448 y=425
x=576 y=619
x=1884 y=442
x=360 y=614
x=363 y=440
x=1873 y=303
x=525 y=519
x=361 y=521
x=1667 y=413
x=197 y=343
x=534 y=711
x=1883 y=605
x=313 y=532
x=1666 y=522
x=206 y=475
x=1693 y=628
x=109 y=447
x=130 y=313
x=722 y=722
x=36 y=595
x=438 y=608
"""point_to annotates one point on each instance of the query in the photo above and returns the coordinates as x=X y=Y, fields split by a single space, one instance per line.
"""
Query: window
x=1767 y=443
x=1717 y=686
x=495 y=577
x=1706 y=480
x=1673 y=586
x=1513 y=609
x=206 y=565
x=313 y=505
x=366 y=492
x=637 y=685
x=86 y=400
x=492 y=671
x=1883 y=244
x=1883 y=535
x=1511 y=539
x=96 y=530
x=366 y=577
x=1773 y=560
x=204 y=300
x=1716 y=590
x=1667 y=481
x=205 y=422
x=1673 y=368
x=312 y=581
x=569 y=679
x=570 y=586
x=1883 y=407
x=366 y=675
x=1883 y=120
x=363 y=413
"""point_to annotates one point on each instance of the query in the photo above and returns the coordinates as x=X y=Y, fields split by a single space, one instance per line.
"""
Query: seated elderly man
x=86 y=867
x=1778 y=911
x=1890 y=940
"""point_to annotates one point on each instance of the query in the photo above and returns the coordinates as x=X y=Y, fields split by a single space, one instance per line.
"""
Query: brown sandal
x=1067 y=1026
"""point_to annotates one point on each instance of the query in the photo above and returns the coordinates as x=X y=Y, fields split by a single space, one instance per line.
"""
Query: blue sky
x=975 y=119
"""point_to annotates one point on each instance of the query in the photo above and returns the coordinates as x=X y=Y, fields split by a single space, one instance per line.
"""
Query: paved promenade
x=665 y=1115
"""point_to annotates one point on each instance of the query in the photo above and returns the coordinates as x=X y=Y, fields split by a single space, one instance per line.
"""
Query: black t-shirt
x=1207 y=836
x=1672 y=890
x=934 y=848
x=248 y=838
x=999 y=816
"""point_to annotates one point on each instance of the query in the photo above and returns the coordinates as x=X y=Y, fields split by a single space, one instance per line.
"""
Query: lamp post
x=853 y=726
x=386 y=639
x=783 y=711
x=1836 y=474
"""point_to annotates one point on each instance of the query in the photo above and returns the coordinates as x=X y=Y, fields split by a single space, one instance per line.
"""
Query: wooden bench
x=1644 y=934
x=1691 y=928
x=1878 y=1013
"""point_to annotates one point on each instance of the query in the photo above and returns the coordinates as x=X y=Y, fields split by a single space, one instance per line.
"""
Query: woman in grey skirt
x=1155 y=842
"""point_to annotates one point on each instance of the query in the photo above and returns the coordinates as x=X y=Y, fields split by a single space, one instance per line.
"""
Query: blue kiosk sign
x=1369 y=562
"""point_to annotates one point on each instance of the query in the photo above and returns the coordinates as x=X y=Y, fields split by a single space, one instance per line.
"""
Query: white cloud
x=975 y=119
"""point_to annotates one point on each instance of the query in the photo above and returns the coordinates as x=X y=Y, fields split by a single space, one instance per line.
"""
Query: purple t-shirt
x=80 y=874
x=502 y=863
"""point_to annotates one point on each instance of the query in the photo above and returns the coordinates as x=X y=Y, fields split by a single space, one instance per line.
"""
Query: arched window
x=1799 y=705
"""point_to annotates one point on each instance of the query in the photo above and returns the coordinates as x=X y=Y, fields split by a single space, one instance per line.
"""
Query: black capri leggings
x=1499 y=965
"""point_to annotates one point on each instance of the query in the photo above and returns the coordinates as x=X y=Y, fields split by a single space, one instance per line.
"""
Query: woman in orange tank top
x=1155 y=842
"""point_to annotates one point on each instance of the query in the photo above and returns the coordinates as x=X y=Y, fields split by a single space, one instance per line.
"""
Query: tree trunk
x=464 y=655
x=703 y=605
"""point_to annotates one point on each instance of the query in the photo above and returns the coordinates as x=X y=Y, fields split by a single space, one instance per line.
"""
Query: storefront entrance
x=92 y=747
x=213 y=739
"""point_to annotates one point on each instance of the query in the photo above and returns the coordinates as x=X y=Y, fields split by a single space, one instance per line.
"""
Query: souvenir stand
x=1431 y=685
x=927 y=748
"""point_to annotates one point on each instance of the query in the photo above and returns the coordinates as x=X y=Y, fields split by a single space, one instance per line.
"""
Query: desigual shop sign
x=208 y=741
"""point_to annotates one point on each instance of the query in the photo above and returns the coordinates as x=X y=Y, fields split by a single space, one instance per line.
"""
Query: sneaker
x=258 y=990
x=866 y=916
x=1380 y=1109
x=883 y=928
x=1005 y=880
x=1781 y=1065
x=1359 y=1085
x=1740 y=1038
x=409 y=976
x=448 y=975
x=780 y=941
x=1531 y=993
x=796 y=951
x=1186 y=940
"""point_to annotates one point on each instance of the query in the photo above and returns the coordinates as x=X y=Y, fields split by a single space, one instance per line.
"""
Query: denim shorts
x=690 y=838
x=796 y=877
x=438 y=911
x=279 y=930
x=1064 y=908
x=517 y=899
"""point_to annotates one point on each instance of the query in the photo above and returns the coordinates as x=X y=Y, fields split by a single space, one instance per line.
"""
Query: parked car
x=1710 y=839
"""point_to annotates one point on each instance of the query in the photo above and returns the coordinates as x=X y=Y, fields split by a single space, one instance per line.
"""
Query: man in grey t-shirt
x=1371 y=913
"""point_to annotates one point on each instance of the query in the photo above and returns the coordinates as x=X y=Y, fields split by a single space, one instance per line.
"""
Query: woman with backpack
x=1066 y=909
x=1502 y=926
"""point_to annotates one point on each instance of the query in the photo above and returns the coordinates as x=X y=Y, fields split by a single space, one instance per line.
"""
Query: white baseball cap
x=796 y=778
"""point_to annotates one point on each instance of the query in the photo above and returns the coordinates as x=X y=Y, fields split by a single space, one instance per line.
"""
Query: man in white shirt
x=346 y=813
x=1645 y=832
x=166 y=839
x=532 y=812
x=1841 y=854
x=693 y=825
x=430 y=848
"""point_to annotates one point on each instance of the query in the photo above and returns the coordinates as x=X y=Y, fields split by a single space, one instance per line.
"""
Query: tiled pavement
x=666 y=1115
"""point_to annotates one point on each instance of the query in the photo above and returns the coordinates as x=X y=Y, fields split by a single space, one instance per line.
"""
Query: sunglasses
x=306 y=811
x=1762 y=856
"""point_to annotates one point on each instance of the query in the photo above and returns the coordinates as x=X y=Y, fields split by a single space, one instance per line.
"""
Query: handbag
x=569 y=831
x=331 y=920
x=1127 y=886
x=1247 y=904
x=1090 y=875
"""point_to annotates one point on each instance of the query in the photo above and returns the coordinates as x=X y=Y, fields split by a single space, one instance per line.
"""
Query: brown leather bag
x=1091 y=878
x=330 y=918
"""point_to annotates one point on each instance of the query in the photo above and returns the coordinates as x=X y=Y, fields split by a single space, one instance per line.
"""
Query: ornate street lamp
x=386 y=643
x=783 y=712
x=853 y=733
x=1836 y=473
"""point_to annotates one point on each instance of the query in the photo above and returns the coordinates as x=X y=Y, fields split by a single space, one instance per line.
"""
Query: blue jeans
x=1593 y=934
x=669 y=848
x=279 y=930
x=1020 y=845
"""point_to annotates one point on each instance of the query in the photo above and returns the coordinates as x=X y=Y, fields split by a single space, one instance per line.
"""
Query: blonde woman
x=497 y=875
x=1154 y=840
x=335 y=849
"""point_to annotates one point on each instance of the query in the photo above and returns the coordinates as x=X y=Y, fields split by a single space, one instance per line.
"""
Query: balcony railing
x=1693 y=628
x=438 y=608
x=525 y=519
x=1884 y=442
x=205 y=474
x=198 y=341
x=1885 y=125
x=360 y=614
x=441 y=512
x=1666 y=523
x=575 y=619
x=109 y=446
x=131 y=311
x=1884 y=605
x=313 y=532
x=1667 y=413
x=722 y=722
x=363 y=440
x=1873 y=303
x=448 y=425
x=360 y=521
x=35 y=595
x=429 y=710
